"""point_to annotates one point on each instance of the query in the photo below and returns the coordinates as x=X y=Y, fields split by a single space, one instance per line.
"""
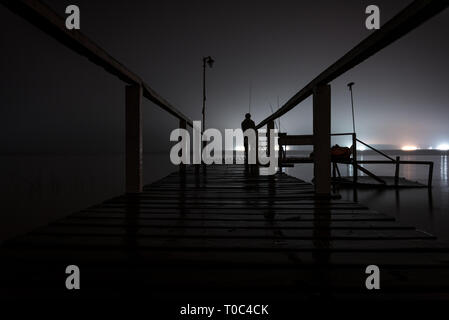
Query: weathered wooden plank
x=232 y=217
x=183 y=211
x=241 y=207
x=249 y=224
x=291 y=200
x=232 y=233
x=129 y=242
x=258 y=211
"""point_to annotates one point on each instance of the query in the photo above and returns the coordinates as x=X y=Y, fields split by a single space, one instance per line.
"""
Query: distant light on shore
x=443 y=147
x=409 y=148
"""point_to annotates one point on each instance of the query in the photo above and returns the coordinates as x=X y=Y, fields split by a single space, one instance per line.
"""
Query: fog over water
x=54 y=100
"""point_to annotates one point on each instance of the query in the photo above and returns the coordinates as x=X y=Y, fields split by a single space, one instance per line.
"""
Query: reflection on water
x=37 y=189
x=443 y=168
x=428 y=211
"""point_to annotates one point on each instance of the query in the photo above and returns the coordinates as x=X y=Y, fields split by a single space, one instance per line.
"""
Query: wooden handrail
x=390 y=162
x=47 y=20
x=342 y=134
x=151 y=95
x=405 y=21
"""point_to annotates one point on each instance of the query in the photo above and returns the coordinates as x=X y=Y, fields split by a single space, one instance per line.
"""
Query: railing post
x=280 y=154
x=354 y=159
x=134 y=147
x=429 y=181
x=270 y=126
x=182 y=125
x=322 y=139
x=396 y=171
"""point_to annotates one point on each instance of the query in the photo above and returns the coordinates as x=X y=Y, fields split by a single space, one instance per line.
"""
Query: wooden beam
x=374 y=149
x=418 y=12
x=134 y=145
x=296 y=140
x=47 y=20
x=322 y=139
x=151 y=95
x=369 y=173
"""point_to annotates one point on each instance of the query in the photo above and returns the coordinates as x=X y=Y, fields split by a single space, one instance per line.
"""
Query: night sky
x=53 y=100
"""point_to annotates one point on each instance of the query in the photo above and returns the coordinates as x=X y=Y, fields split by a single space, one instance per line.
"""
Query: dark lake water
x=428 y=211
x=37 y=189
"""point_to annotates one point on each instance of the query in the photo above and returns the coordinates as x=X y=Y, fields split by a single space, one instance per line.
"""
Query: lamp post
x=210 y=62
x=354 y=144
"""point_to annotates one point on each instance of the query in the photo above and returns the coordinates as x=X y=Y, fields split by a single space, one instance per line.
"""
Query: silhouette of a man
x=247 y=124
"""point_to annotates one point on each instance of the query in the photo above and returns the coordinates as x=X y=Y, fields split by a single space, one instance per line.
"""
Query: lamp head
x=350 y=85
x=210 y=61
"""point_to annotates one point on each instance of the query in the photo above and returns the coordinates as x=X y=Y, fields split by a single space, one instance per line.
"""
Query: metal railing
x=397 y=162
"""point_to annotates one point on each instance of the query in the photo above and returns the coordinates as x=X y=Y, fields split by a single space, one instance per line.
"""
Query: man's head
x=248 y=116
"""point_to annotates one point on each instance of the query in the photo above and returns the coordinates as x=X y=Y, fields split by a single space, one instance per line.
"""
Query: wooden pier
x=222 y=234
x=218 y=233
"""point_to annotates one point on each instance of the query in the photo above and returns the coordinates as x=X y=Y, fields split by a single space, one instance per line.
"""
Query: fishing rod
x=271 y=108
x=279 y=119
x=249 y=105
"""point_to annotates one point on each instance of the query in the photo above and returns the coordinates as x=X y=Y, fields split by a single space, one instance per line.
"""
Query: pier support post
x=134 y=146
x=182 y=125
x=396 y=171
x=280 y=152
x=429 y=181
x=322 y=139
x=355 y=172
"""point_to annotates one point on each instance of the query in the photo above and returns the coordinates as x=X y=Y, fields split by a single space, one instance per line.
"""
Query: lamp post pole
x=210 y=62
x=204 y=96
x=352 y=105
x=354 y=142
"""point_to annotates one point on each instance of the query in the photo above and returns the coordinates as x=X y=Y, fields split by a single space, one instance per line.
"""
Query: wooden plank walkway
x=223 y=234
